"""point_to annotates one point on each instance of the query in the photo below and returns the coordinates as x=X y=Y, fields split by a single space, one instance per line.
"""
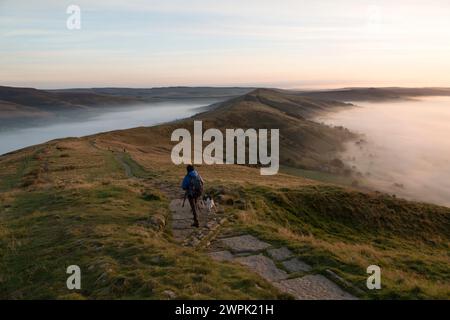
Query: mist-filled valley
x=99 y=120
x=405 y=149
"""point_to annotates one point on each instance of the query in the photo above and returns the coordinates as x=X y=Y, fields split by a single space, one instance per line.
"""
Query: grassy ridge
x=93 y=201
x=63 y=210
x=102 y=223
x=106 y=232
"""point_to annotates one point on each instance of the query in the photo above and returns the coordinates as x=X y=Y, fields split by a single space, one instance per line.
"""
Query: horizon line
x=230 y=87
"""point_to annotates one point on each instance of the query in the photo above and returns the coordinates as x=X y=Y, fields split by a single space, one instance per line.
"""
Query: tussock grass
x=346 y=231
x=105 y=229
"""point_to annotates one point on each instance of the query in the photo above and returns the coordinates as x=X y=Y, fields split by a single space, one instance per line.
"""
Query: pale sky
x=283 y=43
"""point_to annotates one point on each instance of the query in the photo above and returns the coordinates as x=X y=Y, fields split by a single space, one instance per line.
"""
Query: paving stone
x=176 y=216
x=180 y=234
x=211 y=224
x=296 y=265
x=221 y=255
x=177 y=206
x=264 y=266
x=245 y=243
x=182 y=220
x=170 y=294
x=244 y=249
x=338 y=279
x=182 y=224
x=313 y=287
x=280 y=254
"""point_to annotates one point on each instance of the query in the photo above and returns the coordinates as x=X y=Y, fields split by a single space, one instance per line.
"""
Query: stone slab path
x=182 y=220
x=245 y=243
x=313 y=287
x=279 y=266
x=279 y=254
x=263 y=266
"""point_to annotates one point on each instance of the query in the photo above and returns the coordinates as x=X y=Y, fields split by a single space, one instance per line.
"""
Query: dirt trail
x=119 y=156
x=126 y=167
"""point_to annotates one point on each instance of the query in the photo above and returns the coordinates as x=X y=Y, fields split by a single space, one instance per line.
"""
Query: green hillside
x=102 y=202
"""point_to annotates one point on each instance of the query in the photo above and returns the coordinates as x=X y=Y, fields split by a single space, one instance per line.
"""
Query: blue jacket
x=187 y=178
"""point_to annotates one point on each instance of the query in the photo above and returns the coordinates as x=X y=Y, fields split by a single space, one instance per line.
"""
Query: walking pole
x=184 y=199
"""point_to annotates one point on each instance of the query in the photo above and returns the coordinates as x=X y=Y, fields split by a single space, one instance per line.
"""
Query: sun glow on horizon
x=253 y=43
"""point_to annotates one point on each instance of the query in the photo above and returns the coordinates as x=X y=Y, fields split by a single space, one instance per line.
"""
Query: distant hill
x=33 y=103
x=164 y=93
x=59 y=101
x=14 y=110
x=29 y=106
x=375 y=94
x=303 y=143
x=22 y=107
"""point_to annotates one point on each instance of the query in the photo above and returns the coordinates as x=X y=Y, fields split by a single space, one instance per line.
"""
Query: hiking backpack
x=195 y=186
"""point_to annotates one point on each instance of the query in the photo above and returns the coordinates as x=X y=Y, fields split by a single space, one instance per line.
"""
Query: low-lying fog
x=107 y=120
x=407 y=146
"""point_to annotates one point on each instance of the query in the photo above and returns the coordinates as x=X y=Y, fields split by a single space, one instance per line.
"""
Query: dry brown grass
x=80 y=195
x=411 y=267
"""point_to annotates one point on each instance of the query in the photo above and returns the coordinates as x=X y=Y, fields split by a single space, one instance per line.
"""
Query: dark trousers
x=193 y=204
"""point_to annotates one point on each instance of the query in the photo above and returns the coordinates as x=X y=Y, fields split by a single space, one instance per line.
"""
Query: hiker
x=193 y=187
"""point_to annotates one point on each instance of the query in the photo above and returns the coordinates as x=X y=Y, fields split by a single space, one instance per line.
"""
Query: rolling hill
x=303 y=143
x=165 y=93
x=102 y=202
x=22 y=107
x=59 y=101
x=28 y=106
x=375 y=94
x=78 y=99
